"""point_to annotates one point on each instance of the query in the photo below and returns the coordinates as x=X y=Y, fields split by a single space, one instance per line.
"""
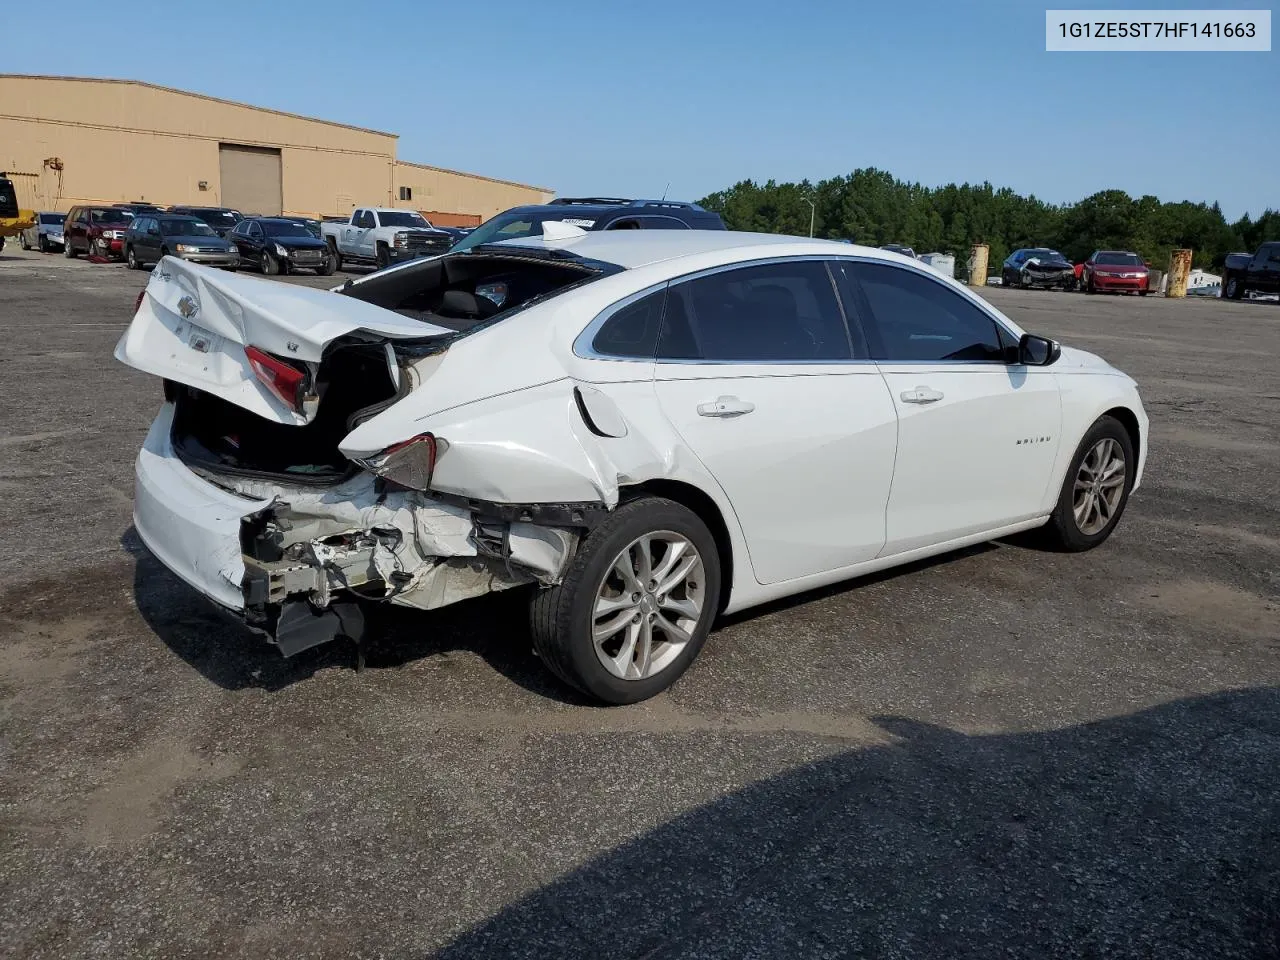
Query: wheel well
x=1130 y=423
x=690 y=496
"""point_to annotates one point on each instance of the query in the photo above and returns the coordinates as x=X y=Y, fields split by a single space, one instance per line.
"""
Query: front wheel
x=270 y=265
x=131 y=260
x=1096 y=488
x=329 y=266
x=23 y=242
x=384 y=258
x=68 y=249
x=635 y=606
x=1234 y=289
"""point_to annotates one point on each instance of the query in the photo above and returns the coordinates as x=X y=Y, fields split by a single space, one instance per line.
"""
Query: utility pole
x=813 y=209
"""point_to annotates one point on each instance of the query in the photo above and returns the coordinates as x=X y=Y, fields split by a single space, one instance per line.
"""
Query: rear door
x=1268 y=278
x=977 y=436
x=757 y=373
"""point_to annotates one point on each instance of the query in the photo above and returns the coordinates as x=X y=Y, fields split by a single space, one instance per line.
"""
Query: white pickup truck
x=383 y=236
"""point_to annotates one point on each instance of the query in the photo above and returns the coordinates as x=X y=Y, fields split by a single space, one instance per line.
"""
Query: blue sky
x=621 y=98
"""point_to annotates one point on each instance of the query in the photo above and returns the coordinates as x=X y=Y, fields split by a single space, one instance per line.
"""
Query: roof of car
x=639 y=248
x=571 y=206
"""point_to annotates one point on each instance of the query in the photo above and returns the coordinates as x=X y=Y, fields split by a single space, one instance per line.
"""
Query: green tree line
x=873 y=207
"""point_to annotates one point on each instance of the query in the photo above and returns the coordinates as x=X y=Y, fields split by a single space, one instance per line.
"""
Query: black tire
x=384 y=258
x=1062 y=531
x=22 y=241
x=334 y=255
x=1142 y=293
x=1089 y=287
x=131 y=259
x=270 y=265
x=44 y=243
x=562 y=616
x=68 y=249
x=1233 y=288
x=330 y=266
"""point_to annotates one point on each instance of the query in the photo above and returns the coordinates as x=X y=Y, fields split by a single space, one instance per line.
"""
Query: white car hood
x=1074 y=359
x=194 y=322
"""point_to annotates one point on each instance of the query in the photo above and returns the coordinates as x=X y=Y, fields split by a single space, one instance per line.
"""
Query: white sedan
x=645 y=429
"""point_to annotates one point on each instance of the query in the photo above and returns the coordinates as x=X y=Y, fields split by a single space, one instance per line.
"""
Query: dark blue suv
x=592 y=213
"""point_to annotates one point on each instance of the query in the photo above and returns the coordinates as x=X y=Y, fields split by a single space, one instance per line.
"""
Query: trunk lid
x=193 y=324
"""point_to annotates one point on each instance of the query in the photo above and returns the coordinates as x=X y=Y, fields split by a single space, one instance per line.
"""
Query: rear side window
x=913 y=317
x=770 y=313
x=631 y=333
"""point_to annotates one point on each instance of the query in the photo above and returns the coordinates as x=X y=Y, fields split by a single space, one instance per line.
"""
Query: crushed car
x=638 y=427
x=1038 y=268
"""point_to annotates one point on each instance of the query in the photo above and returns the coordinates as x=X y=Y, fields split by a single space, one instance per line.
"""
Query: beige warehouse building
x=69 y=140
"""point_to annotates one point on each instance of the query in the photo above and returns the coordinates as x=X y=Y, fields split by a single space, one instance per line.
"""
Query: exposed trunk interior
x=460 y=293
x=473 y=289
x=353 y=382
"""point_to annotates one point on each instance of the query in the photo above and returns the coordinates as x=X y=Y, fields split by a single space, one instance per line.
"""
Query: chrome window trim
x=583 y=349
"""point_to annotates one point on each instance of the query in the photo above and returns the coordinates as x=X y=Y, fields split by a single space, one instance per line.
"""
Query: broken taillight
x=409 y=463
x=279 y=376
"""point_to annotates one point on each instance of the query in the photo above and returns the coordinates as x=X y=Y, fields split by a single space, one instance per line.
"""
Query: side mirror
x=1036 y=351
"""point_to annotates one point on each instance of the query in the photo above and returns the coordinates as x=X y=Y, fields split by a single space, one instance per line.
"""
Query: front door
x=977 y=435
x=757 y=374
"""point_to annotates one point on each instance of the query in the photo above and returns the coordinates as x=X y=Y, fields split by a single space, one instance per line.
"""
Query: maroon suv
x=96 y=230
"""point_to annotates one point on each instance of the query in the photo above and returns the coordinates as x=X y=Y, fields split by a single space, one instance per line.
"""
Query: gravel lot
x=1000 y=753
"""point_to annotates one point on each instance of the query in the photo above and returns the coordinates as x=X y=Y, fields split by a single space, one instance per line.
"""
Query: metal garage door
x=250 y=179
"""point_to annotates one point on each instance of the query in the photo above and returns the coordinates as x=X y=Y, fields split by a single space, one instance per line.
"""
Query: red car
x=96 y=230
x=1115 y=271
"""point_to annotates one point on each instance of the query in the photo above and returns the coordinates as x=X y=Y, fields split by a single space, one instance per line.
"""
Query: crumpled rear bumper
x=293 y=560
x=192 y=526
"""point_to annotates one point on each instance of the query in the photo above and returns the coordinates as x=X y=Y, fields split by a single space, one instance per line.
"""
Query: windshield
x=280 y=228
x=110 y=216
x=54 y=218
x=404 y=218
x=510 y=226
x=218 y=218
x=1118 y=259
x=186 y=228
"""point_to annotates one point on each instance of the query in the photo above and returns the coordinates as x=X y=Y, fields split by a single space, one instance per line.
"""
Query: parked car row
x=1106 y=271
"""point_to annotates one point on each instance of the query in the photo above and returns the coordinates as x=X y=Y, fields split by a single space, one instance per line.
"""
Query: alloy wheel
x=1099 y=486
x=648 y=605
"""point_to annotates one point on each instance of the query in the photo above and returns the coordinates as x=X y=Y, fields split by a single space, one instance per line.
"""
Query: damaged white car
x=645 y=428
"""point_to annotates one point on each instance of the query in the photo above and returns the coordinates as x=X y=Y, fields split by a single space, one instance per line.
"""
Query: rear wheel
x=635 y=606
x=1096 y=488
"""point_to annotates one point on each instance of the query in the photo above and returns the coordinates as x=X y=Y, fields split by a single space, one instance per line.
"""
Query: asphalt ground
x=999 y=753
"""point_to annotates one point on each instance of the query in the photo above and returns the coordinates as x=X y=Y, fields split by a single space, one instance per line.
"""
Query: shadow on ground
x=1151 y=835
x=230 y=655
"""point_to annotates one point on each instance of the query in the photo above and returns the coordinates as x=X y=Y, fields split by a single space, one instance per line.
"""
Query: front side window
x=916 y=318
x=364 y=219
x=632 y=332
x=769 y=313
x=255 y=230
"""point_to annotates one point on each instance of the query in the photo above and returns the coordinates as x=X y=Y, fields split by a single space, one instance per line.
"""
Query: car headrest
x=462 y=303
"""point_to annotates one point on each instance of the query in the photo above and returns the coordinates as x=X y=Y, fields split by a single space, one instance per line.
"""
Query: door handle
x=921 y=395
x=725 y=407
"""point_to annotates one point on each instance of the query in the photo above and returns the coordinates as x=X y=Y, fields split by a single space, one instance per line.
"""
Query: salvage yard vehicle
x=1038 y=267
x=277 y=245
x=139 y=207
x=592 y=213
x=645 y=428
x=1115 y=271
x=1260 y=273
x=12 y=219
x=96 y=230
x=151 y=239
x=45 y=234
x=383 y=236
x=222 y=219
